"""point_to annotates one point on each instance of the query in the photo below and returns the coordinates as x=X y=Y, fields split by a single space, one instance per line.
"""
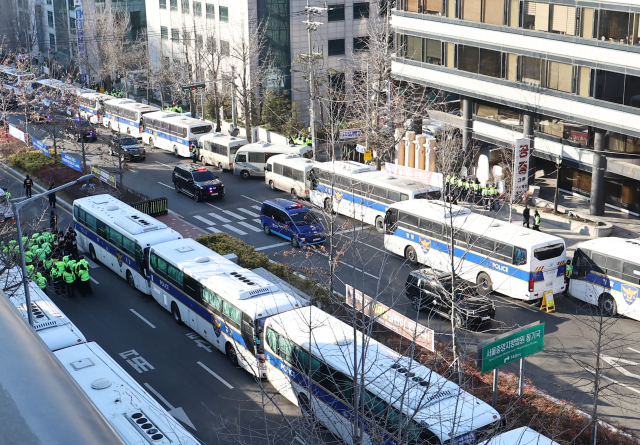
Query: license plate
x=465 y=439
x=316 y=239
x=212 y=194
x=548 y=283
x=485 y=318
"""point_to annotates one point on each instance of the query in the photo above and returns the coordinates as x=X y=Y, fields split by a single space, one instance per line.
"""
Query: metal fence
x=152 y=207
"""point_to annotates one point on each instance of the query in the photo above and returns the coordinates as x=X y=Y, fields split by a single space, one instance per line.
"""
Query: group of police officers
x=467 y=190
x=53 y=258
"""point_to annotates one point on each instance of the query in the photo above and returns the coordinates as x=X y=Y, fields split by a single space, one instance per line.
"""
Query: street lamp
x=16 y=206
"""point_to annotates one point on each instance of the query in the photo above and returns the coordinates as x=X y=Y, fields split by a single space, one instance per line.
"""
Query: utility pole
x=234 y=122
x=312 y=26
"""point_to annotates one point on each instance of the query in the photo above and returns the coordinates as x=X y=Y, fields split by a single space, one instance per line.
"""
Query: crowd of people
x=52 y=261
x=458 y=188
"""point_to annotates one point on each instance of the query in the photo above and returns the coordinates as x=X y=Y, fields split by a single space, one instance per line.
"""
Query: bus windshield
x=549 y=252
x=428 y=195
x=201 y=130
x=304 y=218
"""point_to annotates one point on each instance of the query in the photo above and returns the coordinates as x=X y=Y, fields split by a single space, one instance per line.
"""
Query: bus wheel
x=245 y=174
x=272 y=185
x=220 y=166
x=130 y=280
x=175 y=151
x=92 y=253
x=267 y=230
x=305 y=406
x=232 y=355
x=608 y=305
x=458 y=321
x=485 y=286
x=294 y=241
x=294 y=194
x=411 y=255
x=380 y=224
x=176 y=313
x=203 y=161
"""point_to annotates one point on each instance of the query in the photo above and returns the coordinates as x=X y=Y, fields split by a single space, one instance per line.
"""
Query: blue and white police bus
x=124 y=116
x=173 y=132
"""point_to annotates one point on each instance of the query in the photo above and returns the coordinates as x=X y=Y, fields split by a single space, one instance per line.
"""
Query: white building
x=564 y=72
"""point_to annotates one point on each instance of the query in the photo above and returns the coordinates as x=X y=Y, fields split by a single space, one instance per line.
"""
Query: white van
x=219 y=149
x=289 y=173
x=251 y=160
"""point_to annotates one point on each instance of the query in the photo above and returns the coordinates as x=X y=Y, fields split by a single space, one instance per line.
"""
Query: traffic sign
x=350 y=134
x=361 y=148
x=509 y=347
x=193 y=87
x=368 y=155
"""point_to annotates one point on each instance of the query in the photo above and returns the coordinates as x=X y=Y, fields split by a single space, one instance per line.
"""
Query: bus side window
x=519 y=256
x=269 y=167
x=103 y=230
x=631 y=273
x=248 y=334
x=391 y=220
x=241 y=158
x=272 y=340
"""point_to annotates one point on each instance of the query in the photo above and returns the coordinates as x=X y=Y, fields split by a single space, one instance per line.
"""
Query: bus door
x=579 y=286
x=390 y=221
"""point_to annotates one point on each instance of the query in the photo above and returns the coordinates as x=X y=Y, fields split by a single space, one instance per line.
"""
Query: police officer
x=31 y=271
x=69 y=279
x=485 y=196
x=41 y=281
x=567 y=276
x=536 y=221
x=8 y=193
x=194 y=153
x=476 y=191
x=467 y=190
x=53 y=222
x=28 y=183
x=58 y=277
x=493 y=195
x=82 y=271
x=82 y=261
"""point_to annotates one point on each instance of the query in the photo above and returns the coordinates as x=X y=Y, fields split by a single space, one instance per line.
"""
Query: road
x=563 y=369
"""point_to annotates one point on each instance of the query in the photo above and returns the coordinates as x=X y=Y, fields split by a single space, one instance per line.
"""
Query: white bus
x=497 y=256
x=362 y=192
x=49 y=322
x=606 y=273
x=221 y=301
x=251 y=160
x=119 y=236
x=130 y=410
x=50 y=92
x=310 y=360
x=219 y=149
x=520 y=436
x=17 y=81
x=91 y=106
x=173 y=132
x=289 y=173
x=124 y=116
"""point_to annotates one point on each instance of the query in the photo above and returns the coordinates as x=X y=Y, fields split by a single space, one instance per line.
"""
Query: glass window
x=256 y=157
x=360 y=11
x=632 y=91
x=185 y=6
x=360 y=44
x=287 y=172
x=224 y=14
x=301 y=357
x=519 y=256
x=197 y=9
x=304 y=218
x=115 y=238
x=531 y=70
x=128 y=245
x=614 y=26
x=50 y=20
x=212 y=299
x=609 y=86
x=394 y=196
x=335 y=47
x=175 y=274
x=411 y=220
x=162 y=265
x=164 y=33
x=413 y=48
x=468 y=58
x=163 y=4
x=285 y=348
x=277 y=169
x=232 y=312
x=241 y=158
x=272 y=340
x=175 y=34
x=91 y=222
x=632 y=146
x=490 y=63
x=432 y=51
x=225 y=50
x=210 y=11
x=536 y=16
x=335 y=13
x=72 y=5
x=199 y=44
x=559 y=76
x=549 y=252
x=411 y=5
x=173 y=5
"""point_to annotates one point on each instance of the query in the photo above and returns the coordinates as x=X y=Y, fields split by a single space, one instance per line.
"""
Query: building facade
x=565 y=73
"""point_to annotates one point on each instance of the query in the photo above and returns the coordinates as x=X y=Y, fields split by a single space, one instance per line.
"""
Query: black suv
x=197 y=181
x=429 y=289
x=77 y=128
x=132 y=148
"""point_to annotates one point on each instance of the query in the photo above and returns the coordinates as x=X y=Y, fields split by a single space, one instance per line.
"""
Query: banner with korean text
x=521 y=167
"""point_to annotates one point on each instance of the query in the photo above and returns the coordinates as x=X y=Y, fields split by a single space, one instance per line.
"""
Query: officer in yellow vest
x=83 y=275
x=69 y=280
x=41 y=281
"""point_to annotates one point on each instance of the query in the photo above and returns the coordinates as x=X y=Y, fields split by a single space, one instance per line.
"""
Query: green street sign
x=193 y=87
x=509 y=347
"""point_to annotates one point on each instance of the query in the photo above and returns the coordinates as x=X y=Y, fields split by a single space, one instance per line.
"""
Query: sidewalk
x=181 y=226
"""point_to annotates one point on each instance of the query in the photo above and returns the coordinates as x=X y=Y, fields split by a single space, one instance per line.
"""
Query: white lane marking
x=214 y=230
x=233 y=229
x=221 y=218
x=204 y=220
x=215 y=207
x=94 y=280
x=157 y=394
x=254 y=200
x=249 y=226
x=163 y=164
x=258 y=221
x=613 y=380
x=143 y=319
x=255 y=215
x=257 y=207
x=514 y=304
x=215 y=375
x=634 y=350
x=161 y=183
x=341 y=263
x=272 y=246
x=615 y=362
x=235 y=215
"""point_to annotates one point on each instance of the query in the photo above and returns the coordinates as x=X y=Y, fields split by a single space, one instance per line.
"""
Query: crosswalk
x=238 y=221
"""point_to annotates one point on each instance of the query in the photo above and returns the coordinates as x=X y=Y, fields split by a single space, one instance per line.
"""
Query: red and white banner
x=521 y=167
x=431 y=178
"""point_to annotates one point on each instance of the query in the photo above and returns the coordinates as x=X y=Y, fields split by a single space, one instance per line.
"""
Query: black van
x=197 y=182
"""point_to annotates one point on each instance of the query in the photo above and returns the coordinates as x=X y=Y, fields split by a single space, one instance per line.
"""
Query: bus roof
x=621 y=248
x=132 y=105
x=393 y=181
x=344 y=167
x=267 y=147
x=477 y=223
x=250 y=292
x=427 y=394
x=291 y=160
x=120 y=398
x=144 y=228
x=224 y=139
x=520 y=436
x=50 y=323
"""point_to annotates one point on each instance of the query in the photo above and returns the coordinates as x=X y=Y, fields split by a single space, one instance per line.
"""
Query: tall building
x=565 y=73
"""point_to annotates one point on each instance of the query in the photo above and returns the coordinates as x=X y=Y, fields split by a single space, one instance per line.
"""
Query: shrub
x=31 y=161
x=223 y=243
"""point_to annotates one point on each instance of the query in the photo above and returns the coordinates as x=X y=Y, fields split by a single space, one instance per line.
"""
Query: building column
x=597 y=174
x=527 y=124
x=467 y=118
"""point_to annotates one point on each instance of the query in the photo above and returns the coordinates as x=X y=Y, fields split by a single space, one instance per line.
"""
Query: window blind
x=494 y=11
x=434 y=5
x=433 y=48
x=584 y=81
x=512 y=67
x=412 y=5
x=542 y=17
x=414 y=48
x=471 y=10
x=560 y=76
x=559 y=21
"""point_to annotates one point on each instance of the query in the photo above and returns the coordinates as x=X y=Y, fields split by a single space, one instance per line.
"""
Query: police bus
x=124 y=116
x=119 y=236
x=606 y=273
x=521 y=263
x=91 y=106
x=311 y=357
x=219 y=149
x=50 y=92
x=362 y=192
x=14 y=80
x=173 y=132
x=221 y=301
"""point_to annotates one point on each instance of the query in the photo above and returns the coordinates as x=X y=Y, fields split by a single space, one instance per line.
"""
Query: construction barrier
x=152 y=207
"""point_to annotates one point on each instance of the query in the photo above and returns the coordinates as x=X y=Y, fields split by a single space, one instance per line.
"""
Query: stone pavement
x=181 y=226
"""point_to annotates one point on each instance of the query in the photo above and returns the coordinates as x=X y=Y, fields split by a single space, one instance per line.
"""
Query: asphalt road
x=564 y=369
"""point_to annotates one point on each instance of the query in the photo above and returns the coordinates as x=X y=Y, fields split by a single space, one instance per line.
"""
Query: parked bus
x=124 y=116
x=132 y=412
x=310 y=360
x=17 y=81
x=520 y=436
x=91 y=106
x=606 y=273
x=49 y=322
x=53 y=92
x=219 y=149
x=221 y=301
x=173 y=132
x=497 y=256
x=290 y=173
x=362 y=192
x=251 y=160
x=119 y=236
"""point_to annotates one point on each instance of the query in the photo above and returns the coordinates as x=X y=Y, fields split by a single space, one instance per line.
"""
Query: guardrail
x=152 y=207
